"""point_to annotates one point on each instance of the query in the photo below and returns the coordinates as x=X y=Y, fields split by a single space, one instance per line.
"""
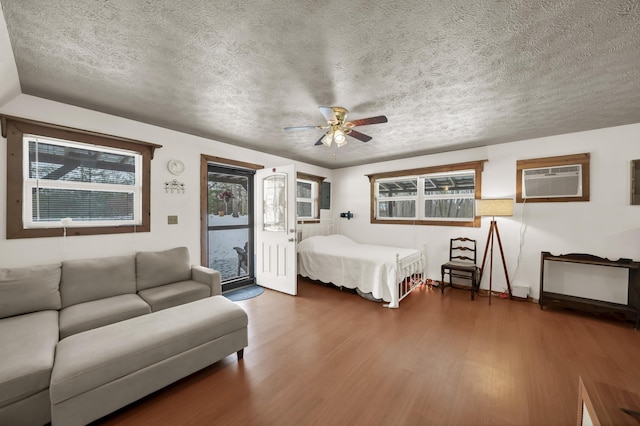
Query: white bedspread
x=339 y=260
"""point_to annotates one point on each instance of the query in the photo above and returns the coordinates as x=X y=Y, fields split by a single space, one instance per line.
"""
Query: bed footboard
x=410 y=274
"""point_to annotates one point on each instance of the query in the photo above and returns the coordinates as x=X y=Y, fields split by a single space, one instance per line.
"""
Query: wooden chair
x=461 y=264
x=242 y=258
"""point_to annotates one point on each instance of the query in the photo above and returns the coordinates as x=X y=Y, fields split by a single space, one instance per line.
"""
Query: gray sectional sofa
x=82 y=338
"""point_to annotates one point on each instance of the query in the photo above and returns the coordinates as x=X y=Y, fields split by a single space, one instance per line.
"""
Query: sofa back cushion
x=84 y=280
x=30 y=289
x=155 y=268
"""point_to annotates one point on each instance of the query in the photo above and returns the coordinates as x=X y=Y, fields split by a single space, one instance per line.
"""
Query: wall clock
x=175 y=166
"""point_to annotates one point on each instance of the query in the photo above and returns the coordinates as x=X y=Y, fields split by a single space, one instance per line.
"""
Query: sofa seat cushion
x=88 y=360
x=169 y=295
x=27 y=349
x=86 y=316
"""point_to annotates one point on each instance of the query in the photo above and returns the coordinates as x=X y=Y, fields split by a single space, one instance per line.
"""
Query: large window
x=79 y=181
x=86 y=184
x=442 y=195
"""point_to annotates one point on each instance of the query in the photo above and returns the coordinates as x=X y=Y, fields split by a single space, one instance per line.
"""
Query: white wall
x=175 y=145
x=607 y=226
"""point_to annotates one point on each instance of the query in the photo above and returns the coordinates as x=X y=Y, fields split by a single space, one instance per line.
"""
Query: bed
x=386 y=273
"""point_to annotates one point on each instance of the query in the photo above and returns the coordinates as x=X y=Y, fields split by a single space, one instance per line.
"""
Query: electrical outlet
x=172 y=220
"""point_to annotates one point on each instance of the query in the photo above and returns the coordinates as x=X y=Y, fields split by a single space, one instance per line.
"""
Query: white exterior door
x=276 y=266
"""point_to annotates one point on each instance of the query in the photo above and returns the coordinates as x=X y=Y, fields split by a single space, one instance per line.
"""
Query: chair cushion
x=168 y=295
x=84 y=280
x=88 y=360
x=155 y=268
x=31 y=289
x=461 y=265
x=26 y=354
x=89 y=315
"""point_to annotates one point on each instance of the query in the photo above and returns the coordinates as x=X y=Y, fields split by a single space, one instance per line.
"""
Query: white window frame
x=424 y=197
x=415 y=198
x=313 y=200
x=34 y=183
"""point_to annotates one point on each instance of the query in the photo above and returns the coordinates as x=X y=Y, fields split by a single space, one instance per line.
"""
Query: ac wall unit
x=552 y=182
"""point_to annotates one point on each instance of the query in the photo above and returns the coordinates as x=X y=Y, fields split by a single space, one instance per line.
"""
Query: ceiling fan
x=339 y=127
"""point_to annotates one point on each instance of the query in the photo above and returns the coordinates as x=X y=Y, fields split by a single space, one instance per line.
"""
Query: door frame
x=205 y=160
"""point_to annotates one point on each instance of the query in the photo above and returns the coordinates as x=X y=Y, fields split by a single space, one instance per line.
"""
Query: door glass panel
x=275 y=203
x=229 y=224
x=228 y=252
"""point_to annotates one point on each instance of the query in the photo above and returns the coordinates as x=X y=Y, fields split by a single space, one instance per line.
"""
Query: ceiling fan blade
x=365 y=121
x=328 y=113
x=320 y=140
x=359 y=136
x=304 y=127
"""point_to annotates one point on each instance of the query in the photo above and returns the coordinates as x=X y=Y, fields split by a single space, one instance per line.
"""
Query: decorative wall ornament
x=174 y=186
x=176 y=167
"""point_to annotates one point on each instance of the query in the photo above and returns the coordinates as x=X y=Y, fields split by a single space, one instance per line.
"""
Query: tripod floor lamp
x=493 y=208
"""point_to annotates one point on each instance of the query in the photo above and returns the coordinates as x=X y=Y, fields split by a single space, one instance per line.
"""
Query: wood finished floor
x=328 y=357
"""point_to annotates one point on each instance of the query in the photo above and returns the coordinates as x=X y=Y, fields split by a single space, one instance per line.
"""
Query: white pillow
x=340 y=240
x=311 y=243
x=324 y=242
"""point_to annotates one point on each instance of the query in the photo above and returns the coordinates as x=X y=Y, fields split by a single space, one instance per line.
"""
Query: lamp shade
x=494 y=207
x=328 y=138
x=339 y=138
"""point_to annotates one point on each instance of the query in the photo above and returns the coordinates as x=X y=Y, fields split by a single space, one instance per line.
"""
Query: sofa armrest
x=207 y=276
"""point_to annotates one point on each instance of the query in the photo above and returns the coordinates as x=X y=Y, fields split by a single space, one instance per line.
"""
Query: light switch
x=172 y=220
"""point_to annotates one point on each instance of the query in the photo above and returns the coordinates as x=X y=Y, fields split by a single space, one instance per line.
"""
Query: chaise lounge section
x=29 y=303
x=104 y=369
x=111 y=330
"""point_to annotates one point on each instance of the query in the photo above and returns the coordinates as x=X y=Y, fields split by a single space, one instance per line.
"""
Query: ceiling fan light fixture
x=340 y=138
x=338 y=127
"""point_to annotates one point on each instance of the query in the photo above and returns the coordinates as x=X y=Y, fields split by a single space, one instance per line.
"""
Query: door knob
x=291 y=240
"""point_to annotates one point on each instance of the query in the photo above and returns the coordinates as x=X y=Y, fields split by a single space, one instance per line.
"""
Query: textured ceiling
x=448 y=74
